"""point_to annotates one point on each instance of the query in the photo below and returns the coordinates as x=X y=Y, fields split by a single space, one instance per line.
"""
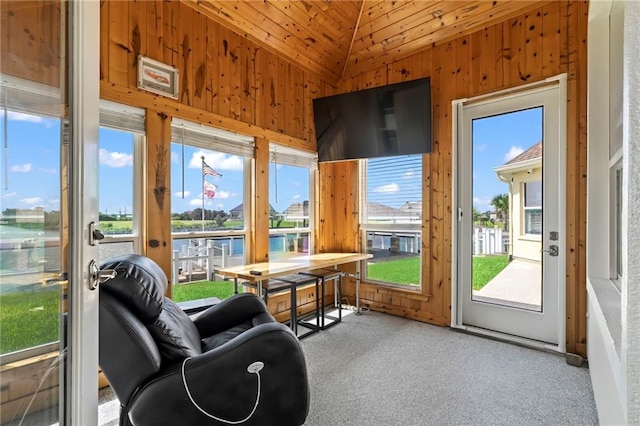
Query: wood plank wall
x=542 y=43
x=225 y=80
x=232 y=83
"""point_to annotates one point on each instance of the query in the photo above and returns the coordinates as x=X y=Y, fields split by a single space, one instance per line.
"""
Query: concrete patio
x=517 y=285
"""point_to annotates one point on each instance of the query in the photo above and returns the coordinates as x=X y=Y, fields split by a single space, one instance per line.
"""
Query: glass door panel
x=43 y=296
x=507 y=209
x=33 y=231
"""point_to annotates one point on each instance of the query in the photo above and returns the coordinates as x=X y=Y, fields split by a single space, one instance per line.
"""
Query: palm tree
x=501 y=204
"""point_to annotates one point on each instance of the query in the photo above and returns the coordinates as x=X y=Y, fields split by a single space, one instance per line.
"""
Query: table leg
x=358 y=288
x=235 y=285
x=294 y=310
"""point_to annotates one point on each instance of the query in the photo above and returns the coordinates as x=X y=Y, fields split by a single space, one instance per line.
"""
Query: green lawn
x=487 y=267
x=407 y=271
x=402 y=271
x=29 y=319
x=202 y=289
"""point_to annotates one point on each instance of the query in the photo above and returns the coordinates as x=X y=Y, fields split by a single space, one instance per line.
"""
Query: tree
x=475 y=215
x=501 y=203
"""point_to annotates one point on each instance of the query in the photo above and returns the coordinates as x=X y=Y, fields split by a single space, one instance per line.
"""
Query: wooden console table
x=280 y=267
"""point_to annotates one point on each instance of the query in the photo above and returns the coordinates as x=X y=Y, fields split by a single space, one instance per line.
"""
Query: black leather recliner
x=229 y=364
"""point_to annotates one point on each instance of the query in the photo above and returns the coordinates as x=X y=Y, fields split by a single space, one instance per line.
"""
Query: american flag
x=207 y=170
x=210 y=190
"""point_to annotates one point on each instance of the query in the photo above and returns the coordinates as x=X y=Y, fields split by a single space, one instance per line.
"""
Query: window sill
x=608 y=300
x=533 y=238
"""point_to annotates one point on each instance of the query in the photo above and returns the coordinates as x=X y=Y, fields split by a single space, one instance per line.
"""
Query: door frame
x=456 y=308
x=81 y=393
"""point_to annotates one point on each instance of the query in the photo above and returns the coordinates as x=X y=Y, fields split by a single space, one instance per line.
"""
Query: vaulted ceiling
x=341 y=39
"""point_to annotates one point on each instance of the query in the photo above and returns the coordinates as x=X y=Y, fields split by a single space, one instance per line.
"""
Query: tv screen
x=378 y=122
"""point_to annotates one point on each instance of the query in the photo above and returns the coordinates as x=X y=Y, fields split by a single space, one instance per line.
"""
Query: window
x=290 y=189
x=391 y=217
x=210 y=175
x=533 y=208
x=121 y=141
x=615 y=224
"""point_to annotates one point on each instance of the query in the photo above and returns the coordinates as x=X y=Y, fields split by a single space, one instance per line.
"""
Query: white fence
x=490 y=241
x=198 y=257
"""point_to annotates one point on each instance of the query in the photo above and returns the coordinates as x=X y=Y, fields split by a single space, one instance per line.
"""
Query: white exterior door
x=509 y=217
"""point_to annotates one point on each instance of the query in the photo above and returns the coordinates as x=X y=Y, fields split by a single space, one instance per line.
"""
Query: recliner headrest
x=140 y=284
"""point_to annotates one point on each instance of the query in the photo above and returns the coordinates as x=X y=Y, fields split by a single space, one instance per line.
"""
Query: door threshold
x=509 y=338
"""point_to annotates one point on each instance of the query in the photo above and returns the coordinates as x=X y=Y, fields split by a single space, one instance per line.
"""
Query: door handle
x=94 y=234
x=553 y=250
x=99 y=276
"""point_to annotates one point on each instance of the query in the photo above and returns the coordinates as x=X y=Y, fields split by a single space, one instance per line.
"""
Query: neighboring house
x=298 y=213
x=238 y=212
x=523 y=174
x=407 y=213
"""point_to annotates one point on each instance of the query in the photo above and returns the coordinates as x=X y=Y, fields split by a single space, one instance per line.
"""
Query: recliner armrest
x=229 y=313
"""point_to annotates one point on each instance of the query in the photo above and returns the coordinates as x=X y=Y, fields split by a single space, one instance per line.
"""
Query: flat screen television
x=378 y=122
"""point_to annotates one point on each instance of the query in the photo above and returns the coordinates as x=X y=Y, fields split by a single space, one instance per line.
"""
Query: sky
x=32 y=159
x=33 y=170
x=496 y=140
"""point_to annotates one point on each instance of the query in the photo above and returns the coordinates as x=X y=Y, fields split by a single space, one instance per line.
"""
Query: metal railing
x=204 y=257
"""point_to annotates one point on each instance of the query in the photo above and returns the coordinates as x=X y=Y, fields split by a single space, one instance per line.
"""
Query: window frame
x=124 y=118
x=394 y=228
x=530 y=209
x=282 y=155
x=615 y=219
x=182 y=131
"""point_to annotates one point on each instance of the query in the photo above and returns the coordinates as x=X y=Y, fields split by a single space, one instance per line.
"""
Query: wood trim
x=260 y=234
x=157 y=199
x=141 y=99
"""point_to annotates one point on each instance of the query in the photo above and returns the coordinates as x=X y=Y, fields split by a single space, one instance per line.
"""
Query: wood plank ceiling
x=341 y=39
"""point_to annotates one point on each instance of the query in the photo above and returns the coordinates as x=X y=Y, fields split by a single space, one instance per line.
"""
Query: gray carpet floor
x=377 y=369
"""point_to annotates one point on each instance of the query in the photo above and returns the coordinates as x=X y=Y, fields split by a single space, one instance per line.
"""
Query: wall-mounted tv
x=378 y=122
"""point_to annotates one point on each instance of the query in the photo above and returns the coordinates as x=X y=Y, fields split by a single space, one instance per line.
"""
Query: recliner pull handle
x=253 y=368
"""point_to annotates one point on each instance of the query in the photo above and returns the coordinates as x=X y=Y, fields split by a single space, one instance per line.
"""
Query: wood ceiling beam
x=353 y=38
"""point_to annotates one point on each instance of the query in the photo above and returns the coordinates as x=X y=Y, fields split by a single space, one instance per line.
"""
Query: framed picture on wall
x=156 y=77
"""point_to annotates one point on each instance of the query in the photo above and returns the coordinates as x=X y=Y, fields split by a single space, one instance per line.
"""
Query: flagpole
x=202 y=193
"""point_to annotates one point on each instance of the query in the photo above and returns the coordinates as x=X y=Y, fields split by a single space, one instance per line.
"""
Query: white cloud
x=18 y=116
x=175 y=158
x=21 y=168
x=482 y=203
x=45 y=170
x=32 y=200
x=54 y=204
x=223 y=194
x=392 y=187
x=409 y=174
x=8 y=195
x=196 y=202
x=217 y=160
x=181 y=194
x=514 y=151
x=115 y=159
x=295 y=197
x=220 y=206
x=481 y=147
